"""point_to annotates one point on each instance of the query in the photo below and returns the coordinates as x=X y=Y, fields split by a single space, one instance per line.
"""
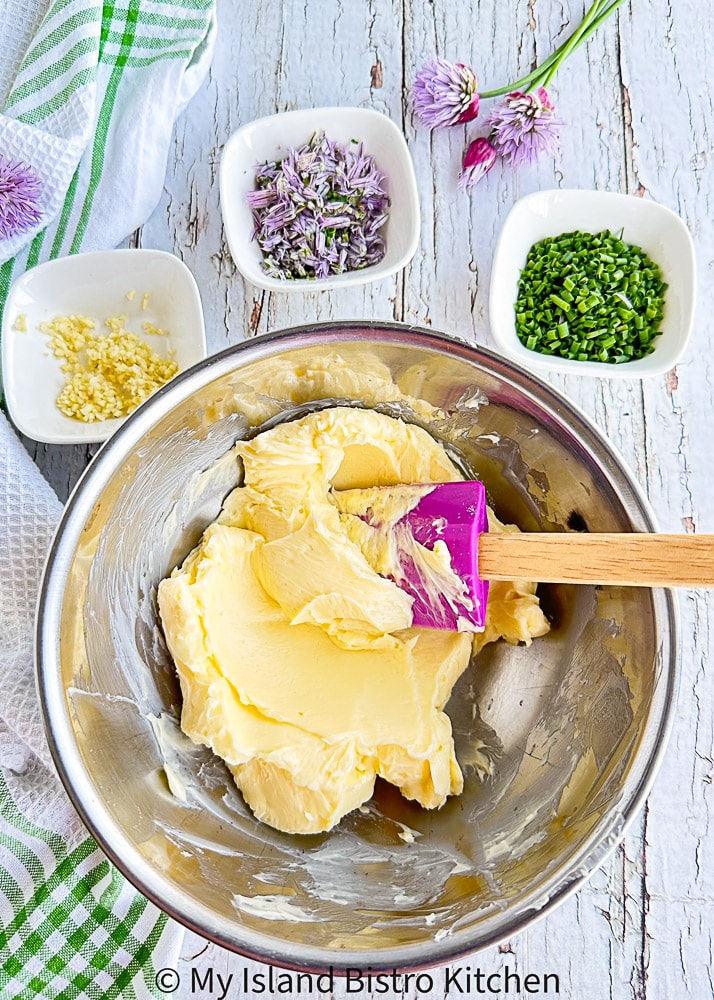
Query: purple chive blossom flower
x=20 y=191
x=523 y=126
x=480 y=157
x=445 y=93
x=318 y=211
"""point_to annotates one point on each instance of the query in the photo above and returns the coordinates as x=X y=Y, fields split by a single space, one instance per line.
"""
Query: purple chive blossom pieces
x=524 y=126
x=318 y=211
x=445 y=93
x=480 y=157
x=20 y=192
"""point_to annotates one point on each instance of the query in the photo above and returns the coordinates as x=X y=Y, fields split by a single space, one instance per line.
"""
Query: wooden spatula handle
x=638 y=560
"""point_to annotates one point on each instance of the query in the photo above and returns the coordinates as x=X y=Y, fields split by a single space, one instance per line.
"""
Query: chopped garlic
x=107 y=375
x=155 y=331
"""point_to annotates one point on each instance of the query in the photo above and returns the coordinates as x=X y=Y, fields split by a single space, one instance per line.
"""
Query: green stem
x=605 y=12
x=576 y=39
x=544 y=73
x=534 y=78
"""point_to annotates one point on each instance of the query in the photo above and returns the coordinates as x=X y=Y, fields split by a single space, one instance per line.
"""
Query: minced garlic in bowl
x=107 y=375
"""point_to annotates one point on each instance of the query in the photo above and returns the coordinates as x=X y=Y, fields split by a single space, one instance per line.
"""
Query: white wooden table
x=638 y=100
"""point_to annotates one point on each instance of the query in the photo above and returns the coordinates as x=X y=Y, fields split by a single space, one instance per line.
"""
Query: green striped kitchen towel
x=90 y=92
x=70 y=926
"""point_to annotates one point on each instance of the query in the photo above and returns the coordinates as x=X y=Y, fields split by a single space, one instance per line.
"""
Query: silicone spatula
x=455 y=515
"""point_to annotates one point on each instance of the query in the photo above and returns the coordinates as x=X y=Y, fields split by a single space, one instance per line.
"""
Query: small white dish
x=96 y=285
x=269 y=139
x=657 y=230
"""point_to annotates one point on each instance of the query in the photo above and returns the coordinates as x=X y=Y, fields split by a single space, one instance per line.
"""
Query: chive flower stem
x=543 y=74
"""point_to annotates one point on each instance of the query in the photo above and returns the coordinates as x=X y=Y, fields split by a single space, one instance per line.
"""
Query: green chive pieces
x=589 y=297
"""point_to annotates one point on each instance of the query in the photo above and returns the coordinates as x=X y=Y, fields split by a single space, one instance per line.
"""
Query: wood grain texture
x=638 y=100
x=628 y=560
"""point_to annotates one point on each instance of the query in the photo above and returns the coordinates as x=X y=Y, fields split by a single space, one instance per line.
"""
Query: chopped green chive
x=589 y=297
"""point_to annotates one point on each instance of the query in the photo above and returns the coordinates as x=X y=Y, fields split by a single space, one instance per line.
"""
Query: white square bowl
x=95 y=285
x=656 y=229
x=269 y=139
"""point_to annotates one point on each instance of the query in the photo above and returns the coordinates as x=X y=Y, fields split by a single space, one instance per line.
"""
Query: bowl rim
x=504 y=333
x=100 y=430
x=375 y=272
x=120 y=850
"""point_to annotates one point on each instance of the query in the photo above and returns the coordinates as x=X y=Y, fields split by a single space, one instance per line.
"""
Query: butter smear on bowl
x=298 y=662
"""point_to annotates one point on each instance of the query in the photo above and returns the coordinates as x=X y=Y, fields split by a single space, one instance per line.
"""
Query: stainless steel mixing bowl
x=577 y=722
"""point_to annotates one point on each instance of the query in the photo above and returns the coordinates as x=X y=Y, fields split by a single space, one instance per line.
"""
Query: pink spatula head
x=453 y=514
x=433 y=541
x=431 y=551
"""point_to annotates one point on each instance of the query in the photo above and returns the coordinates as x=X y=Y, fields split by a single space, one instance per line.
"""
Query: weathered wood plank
x=637 y=99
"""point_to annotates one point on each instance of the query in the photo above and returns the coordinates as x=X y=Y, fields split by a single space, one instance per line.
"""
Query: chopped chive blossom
x=589 y=297
x=318 y=211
